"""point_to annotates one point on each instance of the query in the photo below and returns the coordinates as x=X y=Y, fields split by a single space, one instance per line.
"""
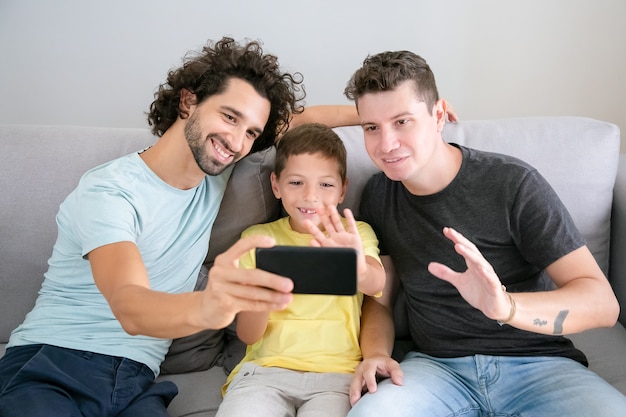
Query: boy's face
x=308 y=182
x=401 y=136
x=222 y=129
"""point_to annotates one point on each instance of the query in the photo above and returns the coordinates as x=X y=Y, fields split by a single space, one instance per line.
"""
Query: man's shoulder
x=494 y=159
x=127 y=165
x=378 y=180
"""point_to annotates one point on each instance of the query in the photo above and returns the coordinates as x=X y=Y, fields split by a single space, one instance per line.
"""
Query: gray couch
x=41 y=164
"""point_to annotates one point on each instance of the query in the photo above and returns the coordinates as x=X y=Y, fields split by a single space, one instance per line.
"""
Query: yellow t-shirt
x=316 y=333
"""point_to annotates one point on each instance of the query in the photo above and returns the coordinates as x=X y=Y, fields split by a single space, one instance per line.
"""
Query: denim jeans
x=44 y=380
x=493 y=386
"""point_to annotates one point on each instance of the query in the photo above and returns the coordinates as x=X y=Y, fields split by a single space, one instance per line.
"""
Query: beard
x=197 y=145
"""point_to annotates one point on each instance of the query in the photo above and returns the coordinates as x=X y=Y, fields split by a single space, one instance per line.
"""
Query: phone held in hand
x=313 y=270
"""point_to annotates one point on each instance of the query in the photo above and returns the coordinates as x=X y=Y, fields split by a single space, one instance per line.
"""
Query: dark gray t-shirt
x=514 y=217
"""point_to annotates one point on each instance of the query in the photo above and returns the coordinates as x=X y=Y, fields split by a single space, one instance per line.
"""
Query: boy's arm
x=374 y=280
x=251 y=326
x=376 y=339
x=371 y=274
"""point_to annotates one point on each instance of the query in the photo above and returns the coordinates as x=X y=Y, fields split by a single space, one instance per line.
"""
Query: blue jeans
x=44 y=380
x=493 y=386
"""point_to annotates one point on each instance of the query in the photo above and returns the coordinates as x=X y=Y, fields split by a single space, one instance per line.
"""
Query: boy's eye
x=295 y=182
x=327 y=185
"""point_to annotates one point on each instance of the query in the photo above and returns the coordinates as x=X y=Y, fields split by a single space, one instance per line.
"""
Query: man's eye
x=229 y=117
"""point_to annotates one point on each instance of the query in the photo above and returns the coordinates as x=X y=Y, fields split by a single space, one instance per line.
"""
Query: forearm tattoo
x=558 y=322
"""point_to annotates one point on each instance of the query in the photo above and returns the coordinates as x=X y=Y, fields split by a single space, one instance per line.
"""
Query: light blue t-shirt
x=122 y=200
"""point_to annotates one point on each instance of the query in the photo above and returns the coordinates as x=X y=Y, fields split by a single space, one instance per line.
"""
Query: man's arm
x=120 y=275
x=329 y=115
x=583 y=300
x=343 y=115
x=376 y=339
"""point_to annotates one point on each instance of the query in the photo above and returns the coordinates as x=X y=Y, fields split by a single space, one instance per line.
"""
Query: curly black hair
x=207 y=72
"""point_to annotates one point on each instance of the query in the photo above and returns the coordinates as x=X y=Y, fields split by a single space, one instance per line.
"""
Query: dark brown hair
x=207 y=72
x=386 y=70
x=311 y=138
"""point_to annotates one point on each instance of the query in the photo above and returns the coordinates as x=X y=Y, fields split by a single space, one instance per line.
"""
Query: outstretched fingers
x=464 y=247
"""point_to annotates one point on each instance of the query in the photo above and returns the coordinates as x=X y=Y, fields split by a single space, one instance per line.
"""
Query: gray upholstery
x=41 y=164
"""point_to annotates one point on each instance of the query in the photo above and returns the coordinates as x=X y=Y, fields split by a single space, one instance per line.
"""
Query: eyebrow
x=240 y=115
x=394 y=117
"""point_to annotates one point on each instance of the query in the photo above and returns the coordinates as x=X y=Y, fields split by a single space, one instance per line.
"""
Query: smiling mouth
x=307 y=211
x=220 y=149
x=392 y=160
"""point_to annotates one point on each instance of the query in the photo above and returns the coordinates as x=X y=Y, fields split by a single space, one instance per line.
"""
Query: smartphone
x=313 y=270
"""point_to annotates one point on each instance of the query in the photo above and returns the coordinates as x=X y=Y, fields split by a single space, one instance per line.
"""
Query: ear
x=440 y=111
x=274 y=182
x=187 y=102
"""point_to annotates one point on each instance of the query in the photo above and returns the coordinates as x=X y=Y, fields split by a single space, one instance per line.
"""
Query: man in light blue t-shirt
x=131 y=240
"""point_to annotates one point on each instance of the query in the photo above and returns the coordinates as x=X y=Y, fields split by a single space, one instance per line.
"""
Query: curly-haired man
x=132 y=237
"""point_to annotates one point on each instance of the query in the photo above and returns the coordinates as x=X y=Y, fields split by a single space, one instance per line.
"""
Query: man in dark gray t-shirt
x=493 y=269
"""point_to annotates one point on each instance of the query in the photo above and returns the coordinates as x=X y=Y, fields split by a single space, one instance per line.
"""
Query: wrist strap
x=513 y=309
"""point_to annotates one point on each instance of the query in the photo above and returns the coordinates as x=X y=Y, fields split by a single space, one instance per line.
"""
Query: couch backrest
x=578 y=156
x=42 y=164
x=39 y=166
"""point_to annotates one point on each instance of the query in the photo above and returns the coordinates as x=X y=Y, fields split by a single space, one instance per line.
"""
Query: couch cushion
x=605 y=351
x=199 y=393
x=578 y=156
x=40 y=166
x=360 y=166
x=248 y=200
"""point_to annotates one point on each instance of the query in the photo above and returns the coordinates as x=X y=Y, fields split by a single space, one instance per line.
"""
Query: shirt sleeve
x=104 y=215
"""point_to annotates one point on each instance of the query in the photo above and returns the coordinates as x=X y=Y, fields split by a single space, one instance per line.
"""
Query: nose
x=237 y=140
x=388 y=140
x=310 y=192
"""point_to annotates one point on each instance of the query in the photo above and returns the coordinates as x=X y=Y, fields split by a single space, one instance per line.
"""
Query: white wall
x=99 y=62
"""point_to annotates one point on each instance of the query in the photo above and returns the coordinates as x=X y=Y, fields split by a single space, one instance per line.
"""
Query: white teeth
x=307 y=211
x=219 y=150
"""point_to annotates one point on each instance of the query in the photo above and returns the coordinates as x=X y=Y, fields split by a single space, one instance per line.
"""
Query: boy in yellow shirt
x=300 y=360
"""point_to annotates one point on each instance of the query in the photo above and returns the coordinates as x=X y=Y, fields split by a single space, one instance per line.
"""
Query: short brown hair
x=311 y=138
x=207 y=73
x=386 y=70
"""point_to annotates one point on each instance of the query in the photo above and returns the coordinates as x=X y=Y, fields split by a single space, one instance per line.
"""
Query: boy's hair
x=386 y=70
x=311 y=138
x=207 y=72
